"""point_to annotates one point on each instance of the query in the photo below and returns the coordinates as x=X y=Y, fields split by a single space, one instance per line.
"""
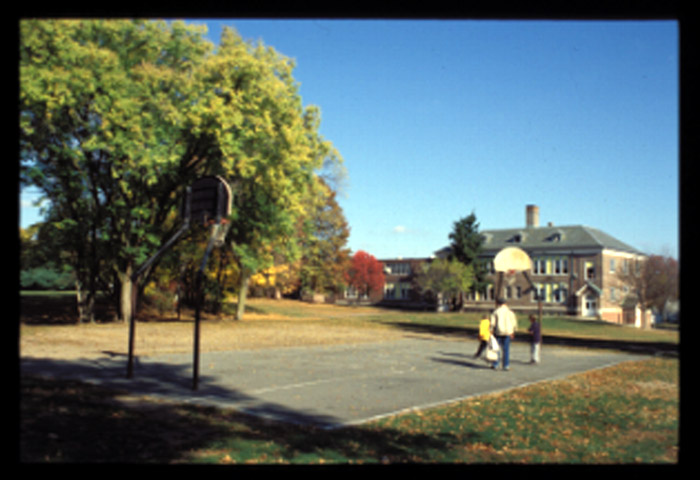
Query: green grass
x=622 y=414
x=47 y=293
x=628 y=413
x=567 y=331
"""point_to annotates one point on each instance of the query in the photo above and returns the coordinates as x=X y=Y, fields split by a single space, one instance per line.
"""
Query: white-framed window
x=589 y=271
x=612 y=265
x=561 y=266
x=404 y=289
x=351 y=293
x=560 y=293
x=389 y=290
x=539 y=266
x=538 y=292
x=399 y=268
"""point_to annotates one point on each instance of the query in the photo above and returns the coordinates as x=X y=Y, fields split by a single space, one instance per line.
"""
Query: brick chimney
x=532 y=216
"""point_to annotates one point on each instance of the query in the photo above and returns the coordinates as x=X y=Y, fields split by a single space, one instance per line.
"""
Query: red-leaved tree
x=366 y=273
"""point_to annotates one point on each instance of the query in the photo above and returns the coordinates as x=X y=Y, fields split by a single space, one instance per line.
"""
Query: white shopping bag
x=492 y=350
x=493 y=344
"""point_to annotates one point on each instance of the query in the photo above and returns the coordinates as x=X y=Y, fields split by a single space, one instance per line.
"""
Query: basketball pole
x=198 y=202
x=499 y=286
x=197 y=313
x=537 y=296
x=135 y=278
x=200 y=294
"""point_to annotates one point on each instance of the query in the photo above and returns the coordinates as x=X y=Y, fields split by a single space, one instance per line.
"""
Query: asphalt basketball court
x=331 y=386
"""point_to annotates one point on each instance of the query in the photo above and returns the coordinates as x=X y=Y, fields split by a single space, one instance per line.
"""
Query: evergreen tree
x=465 y=247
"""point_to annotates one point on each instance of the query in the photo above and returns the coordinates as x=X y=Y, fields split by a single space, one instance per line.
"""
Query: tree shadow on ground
x=68 y=421
x=60 y=309
x=63 y=419
x=646 y=348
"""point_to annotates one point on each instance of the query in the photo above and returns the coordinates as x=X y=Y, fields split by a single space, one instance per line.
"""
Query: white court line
x=322 y=381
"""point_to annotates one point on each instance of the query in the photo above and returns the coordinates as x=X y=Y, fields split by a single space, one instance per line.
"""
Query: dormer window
x=554 y=237
x=517 y=238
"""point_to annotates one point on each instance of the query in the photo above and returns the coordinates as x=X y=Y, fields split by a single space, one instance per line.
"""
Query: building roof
x=568 y=238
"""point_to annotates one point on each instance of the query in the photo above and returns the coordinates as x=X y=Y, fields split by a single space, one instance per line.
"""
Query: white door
x=590 y=306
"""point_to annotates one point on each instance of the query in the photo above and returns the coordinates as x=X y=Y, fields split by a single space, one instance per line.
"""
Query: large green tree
x=117 y=117
x=270 y=149
x=325 y=256
x=445 y=279
x=465 y=247
x=101 y=106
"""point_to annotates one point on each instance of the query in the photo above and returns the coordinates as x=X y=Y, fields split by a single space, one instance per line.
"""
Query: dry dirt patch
x=310 y=325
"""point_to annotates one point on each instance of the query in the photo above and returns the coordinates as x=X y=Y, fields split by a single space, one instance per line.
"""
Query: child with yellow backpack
x=484 y=335
x=487 y=342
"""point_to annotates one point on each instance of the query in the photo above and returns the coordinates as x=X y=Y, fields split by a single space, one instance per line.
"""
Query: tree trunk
x=126 y=294
x=90 y=307
x=86 y=303
x=242 y=294
x=646 y=319
x=79 y=297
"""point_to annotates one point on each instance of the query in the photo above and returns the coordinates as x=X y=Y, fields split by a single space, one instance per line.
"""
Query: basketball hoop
x=507 y=263
x=219 y=232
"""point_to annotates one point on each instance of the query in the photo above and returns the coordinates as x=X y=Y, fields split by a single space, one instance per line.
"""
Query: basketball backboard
x=512 y=259
x=210 y=199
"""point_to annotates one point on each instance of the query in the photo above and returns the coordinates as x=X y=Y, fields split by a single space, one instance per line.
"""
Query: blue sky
x=436 y=119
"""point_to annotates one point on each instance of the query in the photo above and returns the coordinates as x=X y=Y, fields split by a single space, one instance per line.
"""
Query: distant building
x=399 y=283
x=575 y=270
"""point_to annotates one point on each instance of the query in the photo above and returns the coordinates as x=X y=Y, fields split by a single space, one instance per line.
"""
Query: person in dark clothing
x=536 y=341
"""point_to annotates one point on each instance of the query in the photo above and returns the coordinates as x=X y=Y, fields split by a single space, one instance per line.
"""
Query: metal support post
x=135 y=278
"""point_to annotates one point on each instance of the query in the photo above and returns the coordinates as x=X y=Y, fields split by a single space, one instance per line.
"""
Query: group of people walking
x=497 y=331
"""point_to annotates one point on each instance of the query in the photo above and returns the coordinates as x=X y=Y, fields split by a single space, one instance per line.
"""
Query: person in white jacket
x=504 y=324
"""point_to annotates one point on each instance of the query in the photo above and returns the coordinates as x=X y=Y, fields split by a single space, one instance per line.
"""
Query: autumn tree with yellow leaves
x=117 y=117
